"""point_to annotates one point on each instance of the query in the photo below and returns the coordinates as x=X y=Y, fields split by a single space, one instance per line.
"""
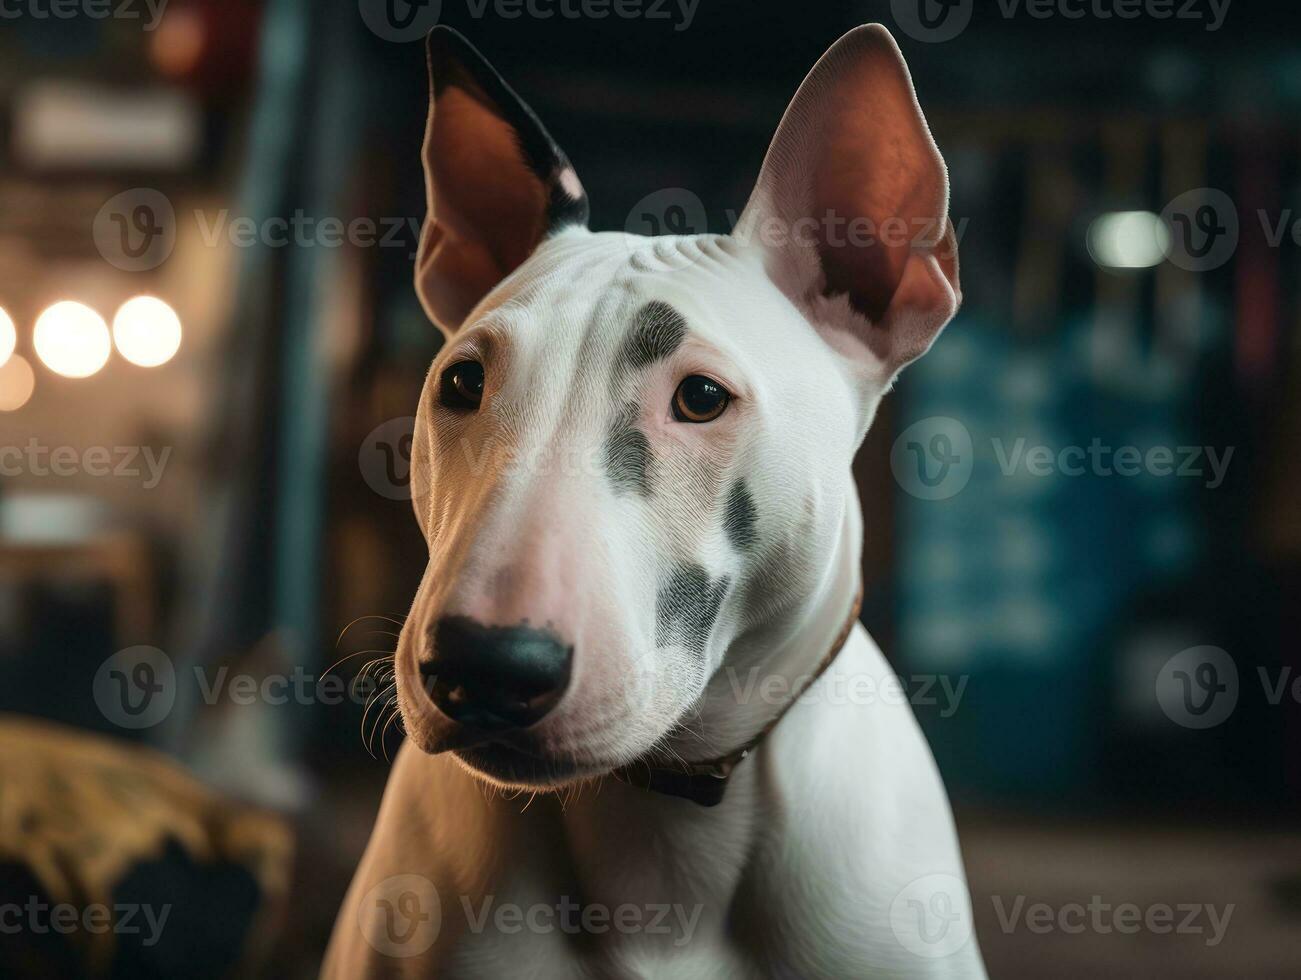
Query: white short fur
x=796 y=872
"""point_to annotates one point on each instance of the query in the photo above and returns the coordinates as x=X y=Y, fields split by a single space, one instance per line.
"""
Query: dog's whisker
x=370 y=740
x=378 y=664
x=390 y=702
x=573 y=602
x=358 y=653
x=396 y=714
x=370 y=703
x=396 y=622
x=380 y=717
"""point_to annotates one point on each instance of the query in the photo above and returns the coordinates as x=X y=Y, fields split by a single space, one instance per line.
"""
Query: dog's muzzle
x=495 y=678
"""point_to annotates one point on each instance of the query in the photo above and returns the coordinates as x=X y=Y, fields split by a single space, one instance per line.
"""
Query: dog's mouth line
x=502 y=761
x=471 y=741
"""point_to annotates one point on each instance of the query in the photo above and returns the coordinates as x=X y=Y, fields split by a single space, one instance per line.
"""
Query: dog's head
x=632 y=450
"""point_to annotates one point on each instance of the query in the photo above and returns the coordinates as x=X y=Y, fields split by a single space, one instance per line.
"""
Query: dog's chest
x=720 y=892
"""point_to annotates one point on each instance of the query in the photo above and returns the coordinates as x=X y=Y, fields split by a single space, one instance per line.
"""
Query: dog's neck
x=701 y=852
x=771 y=664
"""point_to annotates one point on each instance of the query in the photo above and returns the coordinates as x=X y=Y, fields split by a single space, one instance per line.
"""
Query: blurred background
x=1082 y=506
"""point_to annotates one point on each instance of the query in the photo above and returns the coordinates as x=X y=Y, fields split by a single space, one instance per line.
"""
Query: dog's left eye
x=699 y=399
x=461 y=387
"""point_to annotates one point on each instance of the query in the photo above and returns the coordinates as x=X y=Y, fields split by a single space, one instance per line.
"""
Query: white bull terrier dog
x=627 y=678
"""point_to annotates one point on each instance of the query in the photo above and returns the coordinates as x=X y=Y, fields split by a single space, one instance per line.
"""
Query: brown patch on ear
x=496 y=183
x=490 y=206
x=876 y=162
x=854 y=159
x=927 y=297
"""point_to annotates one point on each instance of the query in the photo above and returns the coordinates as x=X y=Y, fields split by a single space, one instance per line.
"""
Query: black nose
x=495 y=677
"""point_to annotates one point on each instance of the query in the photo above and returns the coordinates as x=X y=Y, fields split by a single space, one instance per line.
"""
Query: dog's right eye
x=461 y=387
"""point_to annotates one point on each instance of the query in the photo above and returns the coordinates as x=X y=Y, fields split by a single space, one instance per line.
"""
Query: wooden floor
x=1256 y=872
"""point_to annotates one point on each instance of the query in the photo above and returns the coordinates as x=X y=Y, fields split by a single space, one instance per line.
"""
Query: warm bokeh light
x=1128 y=240
x=8 y=337
x=17 y=381
x=147 y=331
x=72 y=340
x=178 y=43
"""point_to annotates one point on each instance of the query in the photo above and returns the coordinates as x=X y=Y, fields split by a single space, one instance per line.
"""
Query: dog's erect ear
x=852 y=204
x=496 y=182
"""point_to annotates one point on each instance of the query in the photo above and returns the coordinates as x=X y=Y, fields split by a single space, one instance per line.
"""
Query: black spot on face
x=740 y=518
x=627 y=454
x=657 y=331
x=686 y=608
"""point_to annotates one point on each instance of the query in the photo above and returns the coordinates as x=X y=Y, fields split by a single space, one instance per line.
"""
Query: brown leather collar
x=706 y=782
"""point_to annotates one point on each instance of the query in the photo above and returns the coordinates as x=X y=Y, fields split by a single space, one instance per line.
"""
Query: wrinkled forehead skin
x=574 y=500
x=570 y=500
x=563 y=334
